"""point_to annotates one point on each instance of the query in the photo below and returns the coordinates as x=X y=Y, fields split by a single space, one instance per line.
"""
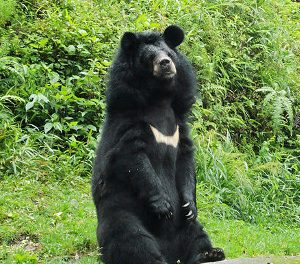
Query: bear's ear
x=128 y=41
x=173 y=36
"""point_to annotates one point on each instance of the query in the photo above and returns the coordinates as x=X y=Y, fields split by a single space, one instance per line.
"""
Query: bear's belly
x=162 y=152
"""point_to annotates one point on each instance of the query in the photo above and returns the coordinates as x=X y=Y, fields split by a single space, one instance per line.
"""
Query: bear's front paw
x=161 y=207
x=189 y=210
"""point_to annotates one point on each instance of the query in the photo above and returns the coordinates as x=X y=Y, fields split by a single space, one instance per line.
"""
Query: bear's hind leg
x=130 y=243
x=196 y=247
x=134 y=250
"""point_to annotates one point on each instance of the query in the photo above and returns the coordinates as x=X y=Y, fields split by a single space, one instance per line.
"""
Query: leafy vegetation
x=54 y=57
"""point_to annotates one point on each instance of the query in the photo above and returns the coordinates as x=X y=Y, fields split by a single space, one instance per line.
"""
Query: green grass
x=51 y=219
x=241 y=239
x=55 y=222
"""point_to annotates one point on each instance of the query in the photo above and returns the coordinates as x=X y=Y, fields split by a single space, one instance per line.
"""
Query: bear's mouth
x=165 y=72
x=168 y=74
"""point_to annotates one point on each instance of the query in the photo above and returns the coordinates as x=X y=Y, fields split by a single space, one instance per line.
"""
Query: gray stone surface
x=262 y=260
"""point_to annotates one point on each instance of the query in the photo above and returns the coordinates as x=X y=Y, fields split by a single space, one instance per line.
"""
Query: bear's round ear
x=128 y=41
x=173 y=36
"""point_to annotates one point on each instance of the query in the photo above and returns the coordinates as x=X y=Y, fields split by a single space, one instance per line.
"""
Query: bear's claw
x=189 y=210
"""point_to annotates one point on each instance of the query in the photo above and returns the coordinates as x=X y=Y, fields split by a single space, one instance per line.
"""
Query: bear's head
x=152 y=53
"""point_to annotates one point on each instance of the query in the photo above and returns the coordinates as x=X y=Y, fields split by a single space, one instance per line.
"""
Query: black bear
x=144 y=177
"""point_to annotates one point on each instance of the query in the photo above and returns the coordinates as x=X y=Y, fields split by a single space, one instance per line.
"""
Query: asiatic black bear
x=144 y=176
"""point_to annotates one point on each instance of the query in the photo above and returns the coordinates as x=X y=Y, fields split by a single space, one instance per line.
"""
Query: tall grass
x=247 y=62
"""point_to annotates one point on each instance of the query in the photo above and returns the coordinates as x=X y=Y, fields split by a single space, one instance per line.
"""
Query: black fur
x=139 y=186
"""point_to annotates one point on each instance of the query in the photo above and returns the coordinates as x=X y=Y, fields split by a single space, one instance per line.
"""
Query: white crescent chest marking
x=169 y=140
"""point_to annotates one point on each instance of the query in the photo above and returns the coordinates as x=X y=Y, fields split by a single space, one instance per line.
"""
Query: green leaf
x=54 y=77
x=58 y=126
x=70 y=49
x=43 y=42
x=29 y=105
x=82 y=32
x=48 y=127
x=43 y=98
x=91 y=127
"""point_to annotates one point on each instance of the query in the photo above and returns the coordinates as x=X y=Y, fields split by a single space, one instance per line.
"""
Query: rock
x=261 y=260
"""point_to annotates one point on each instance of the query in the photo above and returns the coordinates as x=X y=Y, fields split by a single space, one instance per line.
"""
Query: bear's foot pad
x=215 y=254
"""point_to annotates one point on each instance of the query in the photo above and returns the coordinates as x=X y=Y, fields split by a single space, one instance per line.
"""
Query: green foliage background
x=54 y=58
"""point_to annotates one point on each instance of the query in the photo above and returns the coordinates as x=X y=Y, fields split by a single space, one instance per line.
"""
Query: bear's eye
x=146 y=58
x=151 y=57
x=171 y=54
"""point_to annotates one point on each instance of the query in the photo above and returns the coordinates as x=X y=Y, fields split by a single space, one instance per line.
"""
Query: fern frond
x=265 y=89
x=288 y=107
x=277 y=113
x=269 y=97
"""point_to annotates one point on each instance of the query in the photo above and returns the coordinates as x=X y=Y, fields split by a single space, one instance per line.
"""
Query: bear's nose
x=164 y=62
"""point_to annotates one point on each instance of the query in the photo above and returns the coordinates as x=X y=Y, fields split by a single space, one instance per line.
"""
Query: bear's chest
x=161 y=138
x=164 y=134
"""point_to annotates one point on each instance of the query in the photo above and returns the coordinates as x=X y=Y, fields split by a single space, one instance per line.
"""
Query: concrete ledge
x=262 y=260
